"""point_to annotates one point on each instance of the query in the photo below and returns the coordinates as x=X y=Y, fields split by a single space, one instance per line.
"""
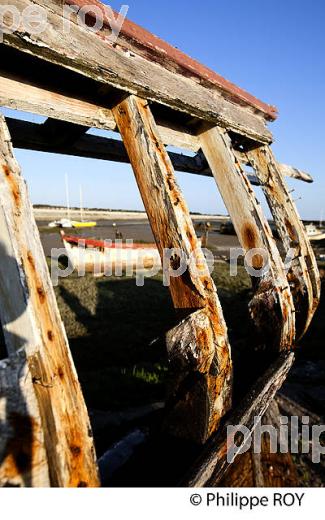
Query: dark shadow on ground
x=119 y=360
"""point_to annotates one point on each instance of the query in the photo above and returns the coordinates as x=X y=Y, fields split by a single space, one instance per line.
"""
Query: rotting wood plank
x=303 y=274
x=89 y=55
x=20 y=93
x=295 y=173
x=272 y=305
x=199 y=347
x=64 y=418
x=285 y=169
x=23 y=460
x=139 y=40
x=212 y=465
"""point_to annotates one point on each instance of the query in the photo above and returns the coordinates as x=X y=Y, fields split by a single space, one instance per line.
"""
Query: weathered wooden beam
x=266 y=468
x=272 y=305
x=213 y=463
x=285 y=169
x=295 y=173
x=19 y=93
x=303 y=274
x=86 y=53
x=140 y=41
x=199 y=348
x=30 y=95
x=39 y=331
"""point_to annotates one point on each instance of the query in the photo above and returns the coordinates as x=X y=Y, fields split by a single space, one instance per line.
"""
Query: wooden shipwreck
x=153 y=96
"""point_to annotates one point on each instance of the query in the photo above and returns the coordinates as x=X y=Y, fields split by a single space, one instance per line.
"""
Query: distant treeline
x=49 y=206
x=77 y=208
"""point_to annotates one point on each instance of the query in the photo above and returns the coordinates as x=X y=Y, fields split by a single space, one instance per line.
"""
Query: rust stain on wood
x=13 y=185
x=47 y=379
x=291 y=230
x=249 y=237
x=303 y=275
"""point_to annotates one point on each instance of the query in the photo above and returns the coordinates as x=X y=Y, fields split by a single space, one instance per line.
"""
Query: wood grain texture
x=272 y=306
x=38 y=329
x=303 y=274
x=199 y=348
x=84 y=52
x=212 y=465
x=137 y=39
x=21 y=92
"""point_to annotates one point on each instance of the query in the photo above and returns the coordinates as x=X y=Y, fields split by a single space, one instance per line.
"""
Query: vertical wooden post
x=198 y=348
x=33 y=326
x=303 y=275
x=272 y=306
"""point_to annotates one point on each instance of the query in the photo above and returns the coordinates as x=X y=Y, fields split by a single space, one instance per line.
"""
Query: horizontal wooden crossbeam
x=74 y=141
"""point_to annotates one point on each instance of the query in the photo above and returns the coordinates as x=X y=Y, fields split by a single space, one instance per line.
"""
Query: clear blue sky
x=274 y=49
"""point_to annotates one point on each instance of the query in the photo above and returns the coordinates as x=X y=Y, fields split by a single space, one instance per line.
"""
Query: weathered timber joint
x=202 y=336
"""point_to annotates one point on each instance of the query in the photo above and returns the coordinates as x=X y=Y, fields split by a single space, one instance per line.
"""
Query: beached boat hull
x=315 y=234
x=105 y=257
x=80 y=225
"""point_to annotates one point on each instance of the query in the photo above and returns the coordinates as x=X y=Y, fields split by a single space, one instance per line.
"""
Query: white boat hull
x=101 y=261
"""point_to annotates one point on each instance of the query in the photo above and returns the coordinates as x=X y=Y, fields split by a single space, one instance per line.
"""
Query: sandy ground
x=49 y=214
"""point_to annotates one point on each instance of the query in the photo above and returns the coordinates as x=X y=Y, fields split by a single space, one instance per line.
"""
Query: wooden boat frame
x=153 y=95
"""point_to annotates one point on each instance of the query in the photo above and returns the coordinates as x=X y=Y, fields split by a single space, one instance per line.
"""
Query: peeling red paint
x=158 y=50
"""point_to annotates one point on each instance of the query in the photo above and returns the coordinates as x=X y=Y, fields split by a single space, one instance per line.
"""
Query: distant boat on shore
x=67 y=223
x=314 y=233
x=97 y=256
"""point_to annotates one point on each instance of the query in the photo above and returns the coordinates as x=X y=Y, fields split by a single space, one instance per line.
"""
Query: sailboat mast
x=81 y=204
x=67 y=194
